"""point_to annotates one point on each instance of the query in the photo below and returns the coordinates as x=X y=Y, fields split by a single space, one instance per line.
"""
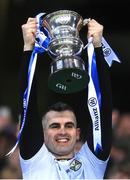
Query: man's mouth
x=62 y=140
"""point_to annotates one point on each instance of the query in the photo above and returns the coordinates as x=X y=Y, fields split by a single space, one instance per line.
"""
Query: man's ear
x=78 y=133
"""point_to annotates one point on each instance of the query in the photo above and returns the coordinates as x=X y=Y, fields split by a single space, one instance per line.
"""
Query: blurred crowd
x=9 y=126
x=119 y=163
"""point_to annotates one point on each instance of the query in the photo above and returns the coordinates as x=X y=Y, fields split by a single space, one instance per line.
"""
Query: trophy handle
x=85 y=22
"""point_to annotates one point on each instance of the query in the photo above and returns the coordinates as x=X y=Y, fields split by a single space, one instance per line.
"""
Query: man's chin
x=64 y=152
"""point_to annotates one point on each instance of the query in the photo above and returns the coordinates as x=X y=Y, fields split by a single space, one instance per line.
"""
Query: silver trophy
x=68 y=73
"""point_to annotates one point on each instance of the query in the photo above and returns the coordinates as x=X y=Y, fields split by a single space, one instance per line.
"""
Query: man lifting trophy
x=48 y=145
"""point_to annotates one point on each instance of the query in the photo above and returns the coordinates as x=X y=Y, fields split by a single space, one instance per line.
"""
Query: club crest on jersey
x=75 y=165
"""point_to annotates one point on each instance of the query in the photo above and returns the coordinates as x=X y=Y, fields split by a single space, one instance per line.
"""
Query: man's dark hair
x=60 y=106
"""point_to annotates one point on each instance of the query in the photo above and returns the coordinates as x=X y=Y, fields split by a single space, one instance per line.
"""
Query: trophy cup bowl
x=68 y=73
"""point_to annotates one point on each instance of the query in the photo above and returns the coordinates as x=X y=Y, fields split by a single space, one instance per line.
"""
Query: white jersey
x=44 y=166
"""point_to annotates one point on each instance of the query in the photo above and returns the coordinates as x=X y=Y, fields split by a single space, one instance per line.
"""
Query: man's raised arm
x=32 y=134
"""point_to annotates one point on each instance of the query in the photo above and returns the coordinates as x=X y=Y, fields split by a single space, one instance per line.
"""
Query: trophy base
x=68 y=75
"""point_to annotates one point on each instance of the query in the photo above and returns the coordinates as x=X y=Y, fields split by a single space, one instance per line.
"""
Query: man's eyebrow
x=58 y=124
x=54 y=124
x=70 y=124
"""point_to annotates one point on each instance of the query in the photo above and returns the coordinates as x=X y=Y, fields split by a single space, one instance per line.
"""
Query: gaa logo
x=106 y=52
x=92 y=101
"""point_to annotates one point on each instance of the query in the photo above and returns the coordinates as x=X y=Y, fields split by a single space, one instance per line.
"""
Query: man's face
x=60 y=133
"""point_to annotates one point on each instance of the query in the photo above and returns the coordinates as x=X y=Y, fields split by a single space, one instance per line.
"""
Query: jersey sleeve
x=32 y=135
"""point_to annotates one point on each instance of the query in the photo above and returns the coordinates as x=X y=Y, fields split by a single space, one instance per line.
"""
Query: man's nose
x=62 y=130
